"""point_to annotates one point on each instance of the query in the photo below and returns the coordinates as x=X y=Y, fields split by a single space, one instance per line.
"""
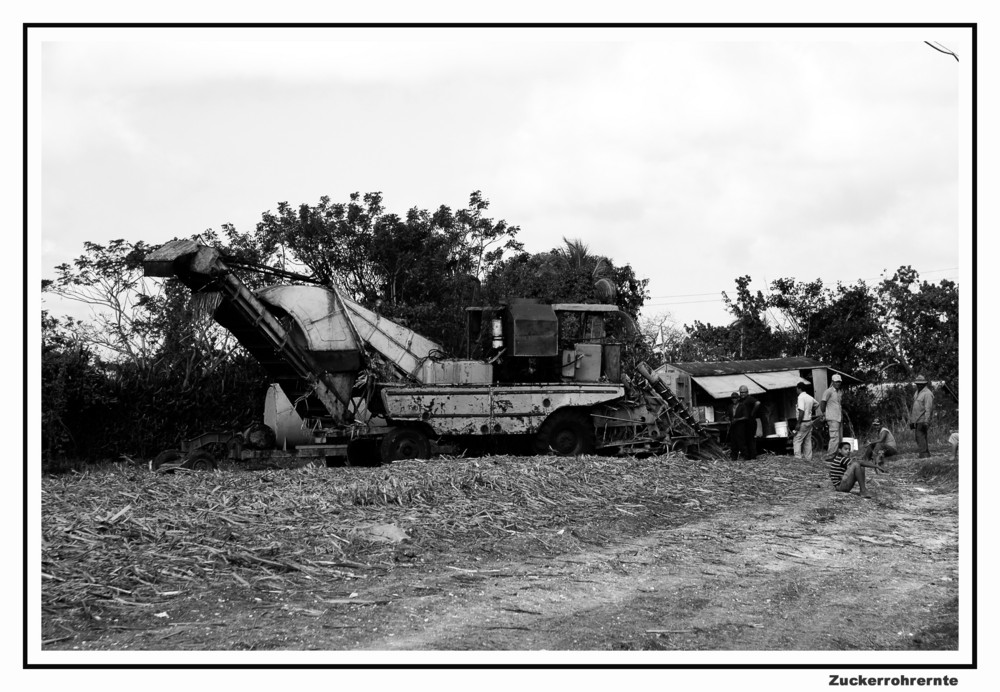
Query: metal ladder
x=678 y=409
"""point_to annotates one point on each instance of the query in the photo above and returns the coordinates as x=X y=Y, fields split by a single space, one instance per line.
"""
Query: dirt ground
x=787 y=565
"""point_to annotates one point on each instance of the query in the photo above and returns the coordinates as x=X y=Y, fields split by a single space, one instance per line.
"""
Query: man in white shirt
x=805 y=406
x=829 y=408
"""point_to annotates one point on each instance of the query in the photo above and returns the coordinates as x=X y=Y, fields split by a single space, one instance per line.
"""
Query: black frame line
x=26 y=27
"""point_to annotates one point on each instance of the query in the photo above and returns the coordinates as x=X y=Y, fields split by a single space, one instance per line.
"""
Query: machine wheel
x=167 y=456
x=566 y=433
x=405 y=443
x=200 y=460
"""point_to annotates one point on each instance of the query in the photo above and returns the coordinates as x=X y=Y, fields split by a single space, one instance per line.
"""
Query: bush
x=93 y=410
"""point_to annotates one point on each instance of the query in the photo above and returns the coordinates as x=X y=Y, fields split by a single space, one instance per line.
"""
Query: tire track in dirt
x=815 y=571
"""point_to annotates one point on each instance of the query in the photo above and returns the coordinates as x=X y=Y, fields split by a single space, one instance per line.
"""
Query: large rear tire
x=565 y=433
x=405 y=443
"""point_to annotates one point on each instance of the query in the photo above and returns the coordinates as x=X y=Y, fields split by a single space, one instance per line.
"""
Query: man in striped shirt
x=845 y=471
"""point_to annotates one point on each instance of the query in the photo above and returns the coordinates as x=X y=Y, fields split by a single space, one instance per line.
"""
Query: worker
x=884 y=444
x=830 y=410
x=734 y=400
x=748 y=412
x=805 y=408
x=953 y=440
x=920 y=415
x=846 y=471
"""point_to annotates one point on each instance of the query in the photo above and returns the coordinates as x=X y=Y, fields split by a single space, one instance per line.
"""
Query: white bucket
x=781 y=429
x=852 y=440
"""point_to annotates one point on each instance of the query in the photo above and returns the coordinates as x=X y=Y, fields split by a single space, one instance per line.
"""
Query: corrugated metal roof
x=584 y=307
x=782 y=379
x=737 y=367
x=721 y=386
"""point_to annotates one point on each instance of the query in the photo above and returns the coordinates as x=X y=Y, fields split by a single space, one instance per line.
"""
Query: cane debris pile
x=124 y=537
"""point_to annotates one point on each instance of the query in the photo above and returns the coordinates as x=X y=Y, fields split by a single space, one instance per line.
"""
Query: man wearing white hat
x=920 y=414
x=829 y=408
x=805 y=407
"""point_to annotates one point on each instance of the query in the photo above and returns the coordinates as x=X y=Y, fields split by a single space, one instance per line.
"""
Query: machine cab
x=528 y=341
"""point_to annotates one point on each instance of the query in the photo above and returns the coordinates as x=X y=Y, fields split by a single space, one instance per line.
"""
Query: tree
x=837 y=326
x=108 y=278
x=149 y=369
x=72 y=387
x=921 y=323
x=567 y=275
x=749 y=336
x=666 y=339
x=421 y=269
x=799 y=303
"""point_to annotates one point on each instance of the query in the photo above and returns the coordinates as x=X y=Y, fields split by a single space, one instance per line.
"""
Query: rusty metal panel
x=456 y=372
x=448 y=410
x=509 y=409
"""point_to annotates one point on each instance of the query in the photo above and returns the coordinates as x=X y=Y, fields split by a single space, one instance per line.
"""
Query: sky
x=695 y=156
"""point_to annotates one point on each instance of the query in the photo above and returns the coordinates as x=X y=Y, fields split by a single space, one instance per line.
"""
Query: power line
x=659 y=301
x=684 y=302
x=687 y=295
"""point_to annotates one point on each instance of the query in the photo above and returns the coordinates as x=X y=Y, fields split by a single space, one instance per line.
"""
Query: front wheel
x=405 y=443
x=201 y=460
x=566 y=433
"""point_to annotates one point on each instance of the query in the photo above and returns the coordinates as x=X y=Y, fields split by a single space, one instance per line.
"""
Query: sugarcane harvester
x=539 y=378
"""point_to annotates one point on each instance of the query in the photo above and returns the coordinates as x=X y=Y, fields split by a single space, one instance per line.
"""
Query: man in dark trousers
x=744 y=434
x=734 y=401
x=920 y=415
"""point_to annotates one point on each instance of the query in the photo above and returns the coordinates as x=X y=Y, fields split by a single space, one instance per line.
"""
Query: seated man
x=953 y=440
x=846 y=471
x=884 y=444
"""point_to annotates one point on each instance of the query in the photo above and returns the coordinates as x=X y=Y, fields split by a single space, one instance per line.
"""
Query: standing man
x=920 y=415
x=829 y=408
x=734 y=449
x=748 y=411
x=805 y=407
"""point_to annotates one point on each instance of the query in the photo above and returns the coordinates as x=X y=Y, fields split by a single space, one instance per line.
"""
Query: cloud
x=694 y=161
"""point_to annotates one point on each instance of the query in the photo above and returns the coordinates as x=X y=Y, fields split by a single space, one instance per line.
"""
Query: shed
x=705 y=387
